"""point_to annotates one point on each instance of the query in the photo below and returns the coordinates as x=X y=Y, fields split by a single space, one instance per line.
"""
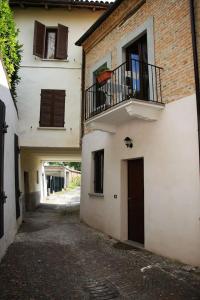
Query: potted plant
x=104 y=75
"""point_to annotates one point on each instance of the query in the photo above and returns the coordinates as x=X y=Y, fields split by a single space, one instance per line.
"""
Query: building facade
x=140 y=150
x=49 y=93
x=10 y=200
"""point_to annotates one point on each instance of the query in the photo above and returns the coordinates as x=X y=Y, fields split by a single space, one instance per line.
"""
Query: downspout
x=196 y=67
x=82 y=95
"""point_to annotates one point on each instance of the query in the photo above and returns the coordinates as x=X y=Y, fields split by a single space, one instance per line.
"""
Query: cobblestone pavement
x=54 y=256
x=69 y=198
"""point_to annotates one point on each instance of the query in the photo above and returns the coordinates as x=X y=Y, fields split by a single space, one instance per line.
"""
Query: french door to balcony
x=137 y=77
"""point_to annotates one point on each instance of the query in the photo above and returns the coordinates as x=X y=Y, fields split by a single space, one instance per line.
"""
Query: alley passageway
x=55 y=256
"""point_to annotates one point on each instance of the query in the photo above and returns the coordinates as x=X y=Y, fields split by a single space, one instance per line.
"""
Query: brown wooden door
x=3 y=130
x=136 y=200
x=17 y=190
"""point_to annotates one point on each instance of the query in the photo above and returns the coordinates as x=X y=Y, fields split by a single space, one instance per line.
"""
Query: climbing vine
x=10 y=49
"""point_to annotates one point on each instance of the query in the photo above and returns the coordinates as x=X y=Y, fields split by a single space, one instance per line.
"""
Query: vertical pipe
x=83 y=95
x=196 y=67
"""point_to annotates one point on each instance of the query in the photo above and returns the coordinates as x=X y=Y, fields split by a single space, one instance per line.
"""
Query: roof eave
x=99 y=21
x=53 y=4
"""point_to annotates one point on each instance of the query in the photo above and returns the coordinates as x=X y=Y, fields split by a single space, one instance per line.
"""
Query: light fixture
x=128 y=142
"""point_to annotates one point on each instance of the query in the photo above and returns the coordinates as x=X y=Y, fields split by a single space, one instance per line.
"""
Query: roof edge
x=98 y=22
x=98 y=4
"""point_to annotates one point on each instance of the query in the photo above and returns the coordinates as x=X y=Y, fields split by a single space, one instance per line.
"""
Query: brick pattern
x=197 y=19
x=173 y=43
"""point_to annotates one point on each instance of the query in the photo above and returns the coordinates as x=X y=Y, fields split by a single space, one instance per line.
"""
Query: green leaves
x=10 y=49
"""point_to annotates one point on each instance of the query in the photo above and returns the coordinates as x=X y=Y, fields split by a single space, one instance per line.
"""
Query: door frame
x=148 y=28
x=124 y=200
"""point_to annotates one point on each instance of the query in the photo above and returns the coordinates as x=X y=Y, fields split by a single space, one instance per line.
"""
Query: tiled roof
x=60 y=3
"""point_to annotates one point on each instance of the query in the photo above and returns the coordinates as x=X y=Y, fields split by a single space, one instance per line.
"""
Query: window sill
x=55 y=59
x=97 y=195
x=51 y=128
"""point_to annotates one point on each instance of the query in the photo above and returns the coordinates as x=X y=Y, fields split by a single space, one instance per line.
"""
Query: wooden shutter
x=128 y=59
x=62 y=42
x=46 y=108
x=52 y=109
x=3 y=130
x=17 y=191
x=39 y=39
x=59 y=108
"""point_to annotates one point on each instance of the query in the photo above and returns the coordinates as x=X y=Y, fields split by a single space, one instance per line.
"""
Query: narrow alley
x=55 y=256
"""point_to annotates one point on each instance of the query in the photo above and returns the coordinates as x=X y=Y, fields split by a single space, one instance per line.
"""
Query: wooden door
x=17 y=190
x=136 y=200
x=3 y=130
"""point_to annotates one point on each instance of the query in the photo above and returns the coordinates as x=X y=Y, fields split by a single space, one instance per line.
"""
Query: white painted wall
x=171 y=181
x=37 y=74
x=10 y=223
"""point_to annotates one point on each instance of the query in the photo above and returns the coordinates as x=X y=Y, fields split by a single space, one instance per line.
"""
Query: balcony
x=133 y=91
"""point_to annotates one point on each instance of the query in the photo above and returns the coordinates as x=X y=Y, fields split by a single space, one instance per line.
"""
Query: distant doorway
x=26 y=191
x=136 y=200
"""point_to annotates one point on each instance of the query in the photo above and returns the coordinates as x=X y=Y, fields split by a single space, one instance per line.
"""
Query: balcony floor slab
x=126 y=111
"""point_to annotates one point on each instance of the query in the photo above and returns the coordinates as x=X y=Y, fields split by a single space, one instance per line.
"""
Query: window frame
x=98 y=169
x=100 y=97
x=51 y=103
x=40 y=41
x=50 y=29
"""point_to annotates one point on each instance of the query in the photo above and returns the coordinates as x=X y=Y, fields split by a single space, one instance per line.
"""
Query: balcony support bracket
x=101 y=126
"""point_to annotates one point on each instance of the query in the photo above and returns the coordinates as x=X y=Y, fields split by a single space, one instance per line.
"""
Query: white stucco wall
x=37 y=74
x=10 y=223
x=171 y=181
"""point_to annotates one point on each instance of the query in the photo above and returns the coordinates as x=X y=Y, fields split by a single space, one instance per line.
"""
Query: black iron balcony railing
x=131 y=80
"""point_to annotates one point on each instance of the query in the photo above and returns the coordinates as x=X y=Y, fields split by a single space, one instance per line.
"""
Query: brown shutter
x=59 y=108
x=46 y=108
x=62 y=42
x=39 y=39
x=3 y=130
x=17 y=191
x=52 y=109
x=128 y=59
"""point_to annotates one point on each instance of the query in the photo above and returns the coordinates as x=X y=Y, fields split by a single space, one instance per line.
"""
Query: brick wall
x=197 y=18
x=172 y=42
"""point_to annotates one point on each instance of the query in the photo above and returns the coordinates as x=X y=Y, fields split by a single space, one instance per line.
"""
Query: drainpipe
x=82 y=94
x=196 y=67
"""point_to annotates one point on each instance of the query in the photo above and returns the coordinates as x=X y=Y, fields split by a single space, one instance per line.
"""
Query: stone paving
x=69 y=198
x=55 y=256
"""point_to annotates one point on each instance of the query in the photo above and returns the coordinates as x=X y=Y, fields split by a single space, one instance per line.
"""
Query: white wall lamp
x=128 y=142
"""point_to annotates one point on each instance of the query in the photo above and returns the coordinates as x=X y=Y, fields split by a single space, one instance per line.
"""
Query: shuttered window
x=52 y=108
x=50 y=42
x=3 y=128
x=39 y=39
x=98 y=171
x=17 y=190
x=62 y=42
